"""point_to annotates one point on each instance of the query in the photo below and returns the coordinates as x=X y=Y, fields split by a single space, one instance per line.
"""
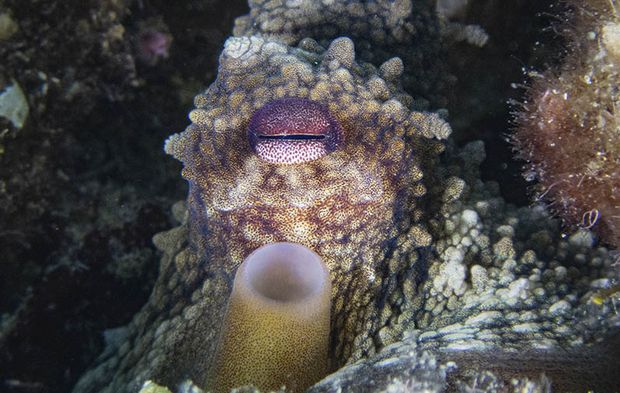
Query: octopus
x=437 y=283
x=326 y=154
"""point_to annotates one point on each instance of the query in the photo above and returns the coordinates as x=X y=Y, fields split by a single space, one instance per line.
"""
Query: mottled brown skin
x=381 y=29
x=357 y=207
x=349 y=206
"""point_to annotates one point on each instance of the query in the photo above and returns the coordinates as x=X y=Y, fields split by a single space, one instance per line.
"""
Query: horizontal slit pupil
x=300 y=137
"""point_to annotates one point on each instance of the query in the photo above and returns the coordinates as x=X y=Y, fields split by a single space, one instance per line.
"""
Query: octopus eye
x=293 y=130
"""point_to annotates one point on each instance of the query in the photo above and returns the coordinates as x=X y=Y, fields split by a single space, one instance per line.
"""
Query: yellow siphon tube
x=276 y=330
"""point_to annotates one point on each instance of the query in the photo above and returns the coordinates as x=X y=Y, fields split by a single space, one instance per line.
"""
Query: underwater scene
x=309 y=196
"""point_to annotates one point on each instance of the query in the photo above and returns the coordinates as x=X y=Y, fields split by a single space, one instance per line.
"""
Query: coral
x=276 y=331
x=154 y=45
x=84 y=184
x=568 y=126
x=451 y=10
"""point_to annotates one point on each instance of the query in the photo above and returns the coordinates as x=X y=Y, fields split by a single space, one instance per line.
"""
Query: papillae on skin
x=356 y=207
x=365 y=209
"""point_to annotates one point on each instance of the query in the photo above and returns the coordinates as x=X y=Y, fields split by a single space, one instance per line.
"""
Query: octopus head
x=307 y=146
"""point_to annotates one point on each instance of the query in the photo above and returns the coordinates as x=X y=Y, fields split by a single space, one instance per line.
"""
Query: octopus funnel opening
x=276 y=330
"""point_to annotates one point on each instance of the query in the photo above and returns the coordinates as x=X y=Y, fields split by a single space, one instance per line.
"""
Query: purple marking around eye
x=293 y=130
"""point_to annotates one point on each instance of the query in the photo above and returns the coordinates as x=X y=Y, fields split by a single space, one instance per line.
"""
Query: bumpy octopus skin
x=350 y=206
x=356 y=206
x=381 y=29
x=496 y=281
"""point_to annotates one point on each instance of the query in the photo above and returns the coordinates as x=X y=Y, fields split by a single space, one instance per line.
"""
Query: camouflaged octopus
x=432 y=272
x=356 y=206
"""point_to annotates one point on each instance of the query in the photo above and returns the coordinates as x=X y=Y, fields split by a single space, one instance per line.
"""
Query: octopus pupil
x=292 y=137
x=293 y=130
